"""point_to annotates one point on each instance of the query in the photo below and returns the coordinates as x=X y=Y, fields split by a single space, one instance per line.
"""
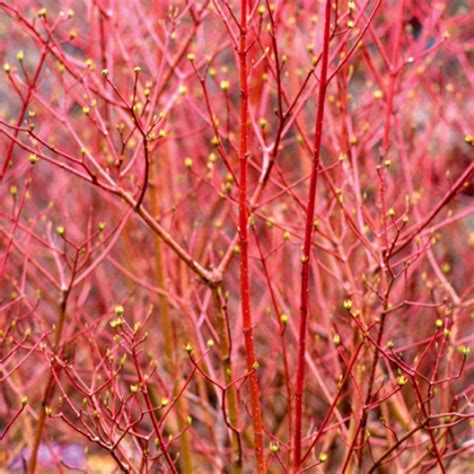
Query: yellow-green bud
x=347 y=304
x=402 y=381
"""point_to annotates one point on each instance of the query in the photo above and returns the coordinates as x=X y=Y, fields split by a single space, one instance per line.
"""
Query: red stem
x=243 y=237
x=300 y=371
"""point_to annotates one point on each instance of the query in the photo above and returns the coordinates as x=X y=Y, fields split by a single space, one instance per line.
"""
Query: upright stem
x=170 y=362
x=161 y=281
x=243 y=237
x=225 y=351
x=306 y=257
x=49 y=389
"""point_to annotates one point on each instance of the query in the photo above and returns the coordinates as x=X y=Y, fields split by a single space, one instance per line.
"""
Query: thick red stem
x=306 y=257
x=243 y=237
